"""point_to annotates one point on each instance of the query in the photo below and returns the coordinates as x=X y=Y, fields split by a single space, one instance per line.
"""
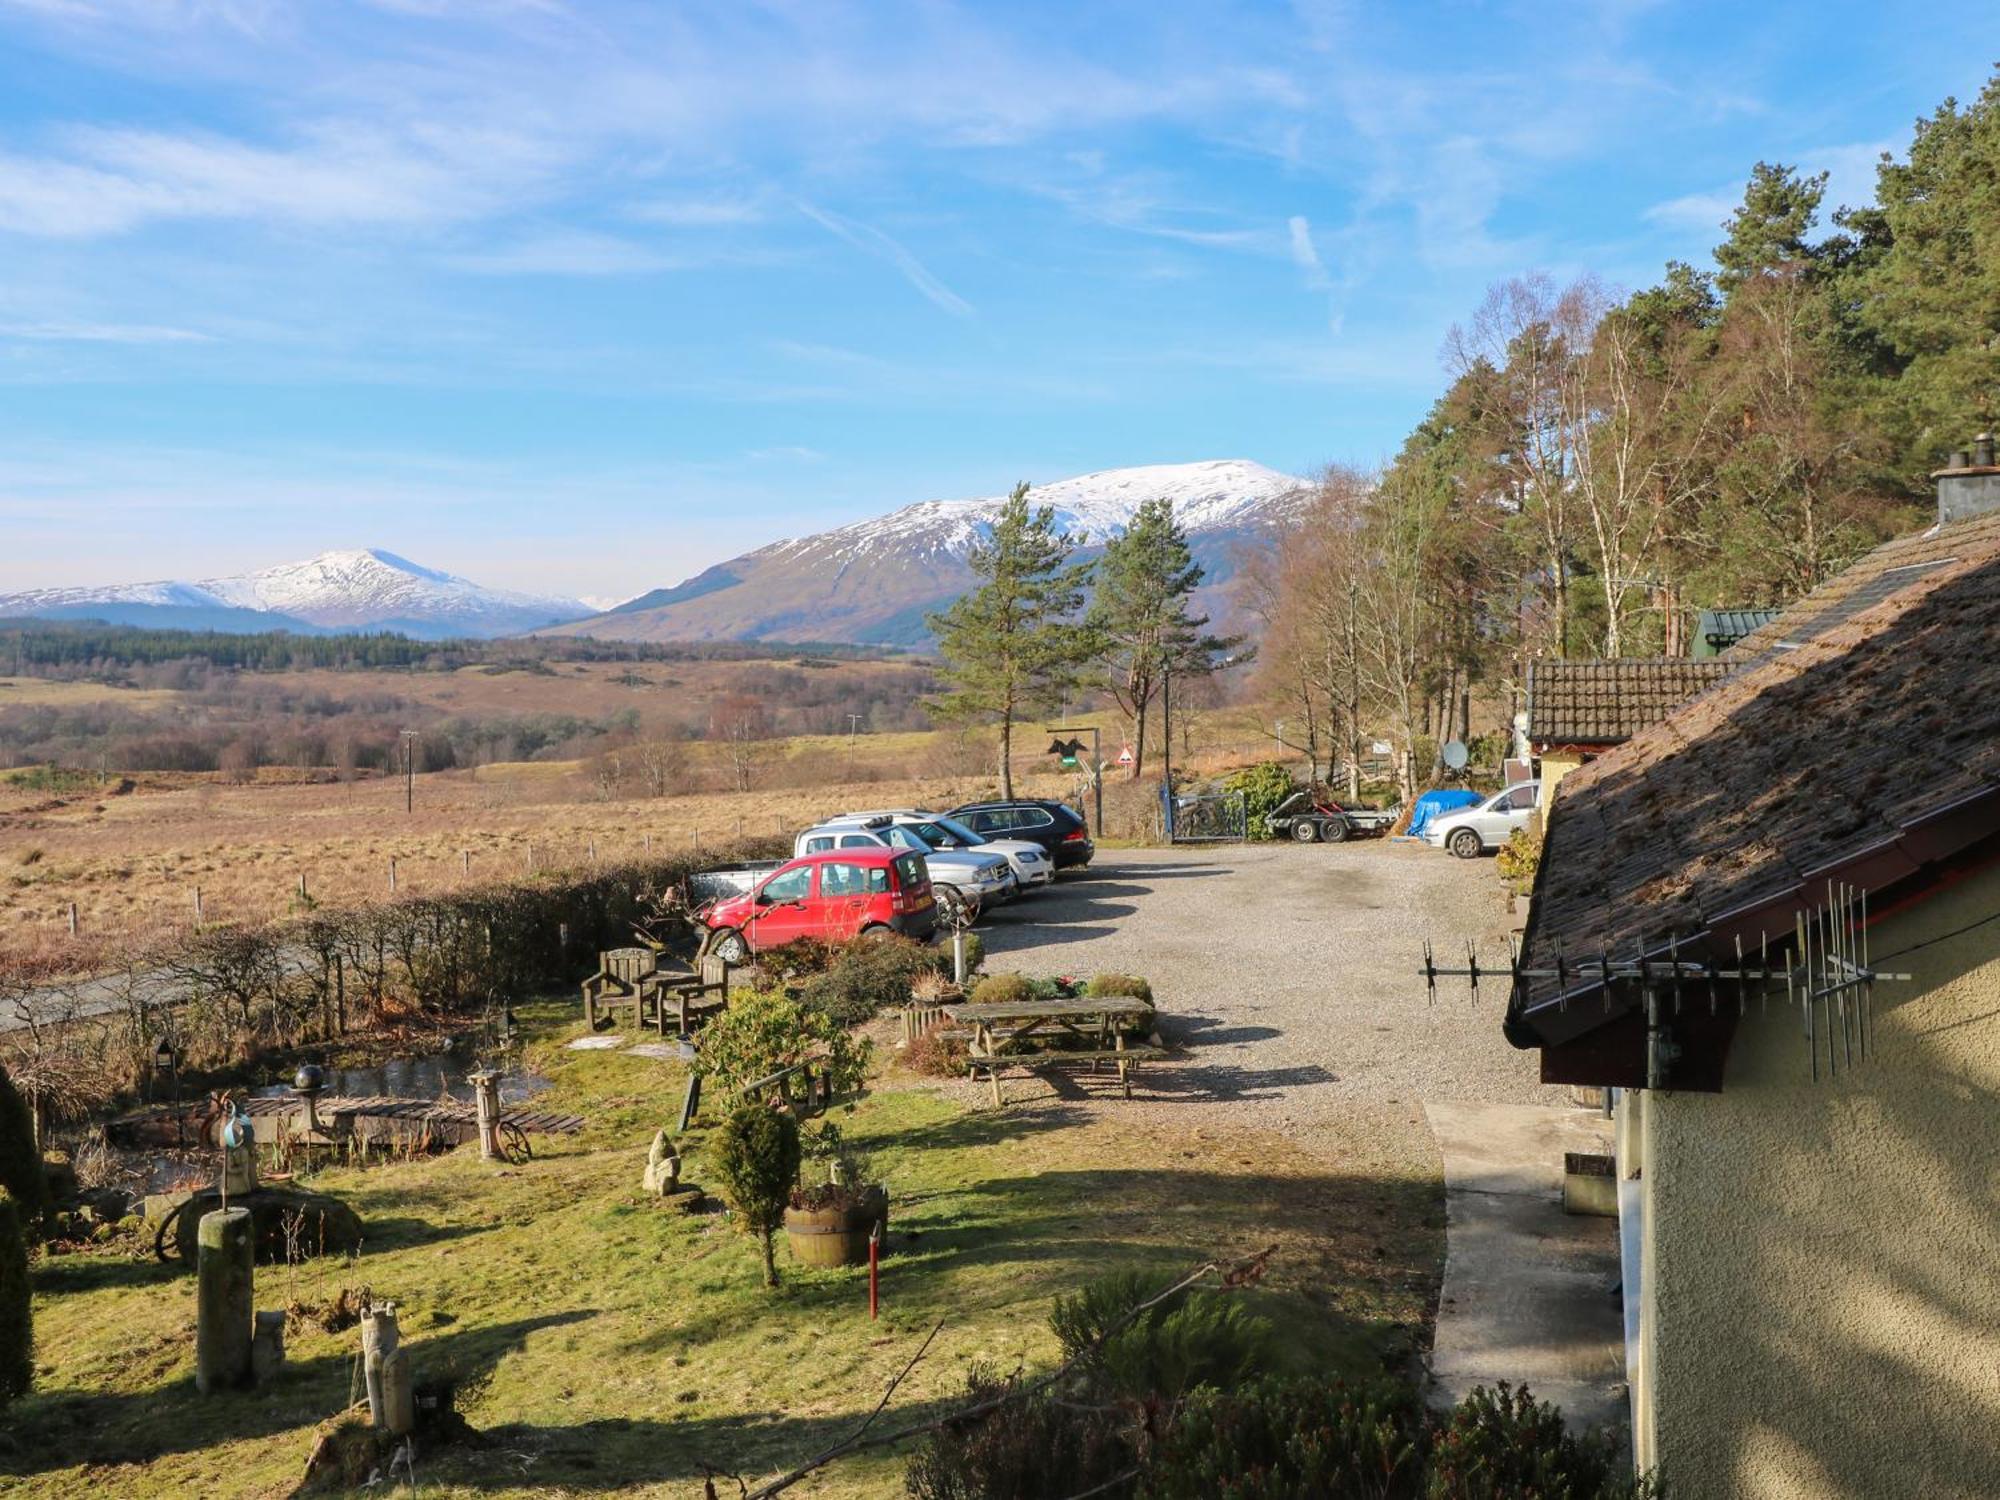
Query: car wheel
x=1466 y=844
x=1335 y=830
x=729 y=946
x=877 y=933
x=1306 y=831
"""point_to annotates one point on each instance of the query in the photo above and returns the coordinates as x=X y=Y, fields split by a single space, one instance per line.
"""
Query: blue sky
x=583 y=296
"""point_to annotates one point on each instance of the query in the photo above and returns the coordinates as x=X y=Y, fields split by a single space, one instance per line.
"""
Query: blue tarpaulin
x=1434 y=805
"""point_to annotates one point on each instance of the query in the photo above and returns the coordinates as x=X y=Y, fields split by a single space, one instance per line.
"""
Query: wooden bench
x=625 y=976
x=1004 y=1034
x=1126 y=1058
x=633 y=977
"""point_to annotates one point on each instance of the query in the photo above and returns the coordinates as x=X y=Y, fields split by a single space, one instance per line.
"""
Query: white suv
x=1472 y=831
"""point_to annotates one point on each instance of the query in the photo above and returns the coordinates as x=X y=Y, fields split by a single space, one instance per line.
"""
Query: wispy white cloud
x=566 y=253
x=1850 y=183
x=872 y=240
x=1306 y=255
x=102 y=333
x=700 y=213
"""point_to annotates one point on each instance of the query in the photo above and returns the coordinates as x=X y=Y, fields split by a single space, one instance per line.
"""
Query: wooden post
x=593 y=851
x=197 y=906
x=465 y=860
x=392 y=872
x=302 y=885
x=72 y=919
x=225 y=1268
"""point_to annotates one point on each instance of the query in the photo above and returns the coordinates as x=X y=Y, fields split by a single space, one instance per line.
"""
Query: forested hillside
x=1602 y=464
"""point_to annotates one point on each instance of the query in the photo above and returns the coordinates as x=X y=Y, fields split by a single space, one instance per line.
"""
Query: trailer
x=1307 y=819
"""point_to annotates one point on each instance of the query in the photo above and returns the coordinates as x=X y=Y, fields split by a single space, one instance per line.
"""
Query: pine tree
x=17 y=1328
x=1011 y=646
x=1139 y=624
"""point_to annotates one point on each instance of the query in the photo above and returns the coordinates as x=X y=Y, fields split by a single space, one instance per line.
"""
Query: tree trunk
x=1138 y=739
x=1006 y=769
x=770 y=1259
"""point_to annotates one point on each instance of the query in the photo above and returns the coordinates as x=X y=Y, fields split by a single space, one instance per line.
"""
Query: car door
x=1520 y=806
x=783 y=910
x=843 y=900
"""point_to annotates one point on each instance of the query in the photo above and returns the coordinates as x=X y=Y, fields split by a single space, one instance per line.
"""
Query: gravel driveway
x=1290 y=975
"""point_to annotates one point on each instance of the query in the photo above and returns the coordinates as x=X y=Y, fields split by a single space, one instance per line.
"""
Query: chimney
x=1969 y=484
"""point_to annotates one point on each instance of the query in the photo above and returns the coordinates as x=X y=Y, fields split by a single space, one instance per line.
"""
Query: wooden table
x=1003 y=1034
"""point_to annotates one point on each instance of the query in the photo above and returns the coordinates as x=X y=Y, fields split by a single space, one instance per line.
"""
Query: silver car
x=1472 y=831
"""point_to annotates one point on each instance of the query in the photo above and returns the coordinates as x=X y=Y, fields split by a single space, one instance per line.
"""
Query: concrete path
x=1527 y=1288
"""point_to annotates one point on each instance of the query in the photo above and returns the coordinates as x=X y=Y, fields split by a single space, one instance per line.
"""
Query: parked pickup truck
x=1311 y=820
x=835 y=896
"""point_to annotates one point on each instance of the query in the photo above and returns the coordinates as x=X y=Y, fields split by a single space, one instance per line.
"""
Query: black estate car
x=1056 y=826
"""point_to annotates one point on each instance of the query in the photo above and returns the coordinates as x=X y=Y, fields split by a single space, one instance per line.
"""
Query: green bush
x=868 y=975
x=755 y=1156
x=1193 y=1339
x=1500 y=1444
x=1276 y=1439
x=17 y=1328
x=1263 y=787
x=764 y=1031
x=1031 y=1447
x=1102 y=986
x=1002 y=989
x=21 y=1171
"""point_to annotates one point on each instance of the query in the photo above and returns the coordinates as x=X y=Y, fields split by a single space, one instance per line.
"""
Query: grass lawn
x=603 y=1344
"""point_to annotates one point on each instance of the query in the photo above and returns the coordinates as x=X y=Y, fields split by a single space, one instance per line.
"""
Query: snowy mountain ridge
x=1215 y=495
x=363 y=588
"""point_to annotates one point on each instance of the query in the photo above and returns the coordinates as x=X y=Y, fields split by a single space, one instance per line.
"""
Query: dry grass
x=33 y=692
x=132 y=863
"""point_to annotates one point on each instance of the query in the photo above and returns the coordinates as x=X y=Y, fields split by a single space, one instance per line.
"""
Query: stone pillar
x=225 y=1267
x=486 y=1102
x=379 y=1338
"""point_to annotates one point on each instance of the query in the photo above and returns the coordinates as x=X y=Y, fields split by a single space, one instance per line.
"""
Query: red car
x=832 y=896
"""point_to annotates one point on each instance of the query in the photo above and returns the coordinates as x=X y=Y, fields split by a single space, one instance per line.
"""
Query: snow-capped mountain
x=359 y=589
x=874 y=581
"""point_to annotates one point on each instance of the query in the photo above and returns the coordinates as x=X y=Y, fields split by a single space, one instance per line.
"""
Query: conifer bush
x=755 y=1155
x=21 y=1172
x=17 y=1328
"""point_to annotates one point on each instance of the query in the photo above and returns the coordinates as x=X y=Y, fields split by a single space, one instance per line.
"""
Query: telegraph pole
x=409 y=771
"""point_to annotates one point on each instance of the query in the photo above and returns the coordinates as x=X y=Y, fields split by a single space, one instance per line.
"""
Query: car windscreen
x=955 y=829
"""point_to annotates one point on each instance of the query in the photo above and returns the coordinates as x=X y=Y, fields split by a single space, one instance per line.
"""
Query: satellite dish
x=1455 y=754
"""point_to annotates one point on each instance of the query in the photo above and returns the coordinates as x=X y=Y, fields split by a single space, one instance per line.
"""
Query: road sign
x=1125 y=756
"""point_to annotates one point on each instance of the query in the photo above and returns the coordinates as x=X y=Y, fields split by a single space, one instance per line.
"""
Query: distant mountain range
x=873 y=582
x=363 y=589
x=869 y=583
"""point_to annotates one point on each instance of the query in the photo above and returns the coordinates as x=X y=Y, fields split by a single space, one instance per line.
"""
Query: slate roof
x=1605 y=702
x=1862 y=743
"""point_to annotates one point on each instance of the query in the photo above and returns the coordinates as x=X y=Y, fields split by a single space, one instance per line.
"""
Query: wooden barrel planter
x=837 y=1236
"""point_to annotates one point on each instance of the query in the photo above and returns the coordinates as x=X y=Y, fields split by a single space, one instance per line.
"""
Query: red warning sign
x=1125 y=756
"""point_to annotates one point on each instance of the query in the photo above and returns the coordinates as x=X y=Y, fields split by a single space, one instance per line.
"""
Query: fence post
x=392 y=872
x=72 y=919
x=465 y=860
x=197 y=906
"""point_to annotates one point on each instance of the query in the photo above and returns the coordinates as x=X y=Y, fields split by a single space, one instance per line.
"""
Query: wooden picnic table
x=1003 y=1034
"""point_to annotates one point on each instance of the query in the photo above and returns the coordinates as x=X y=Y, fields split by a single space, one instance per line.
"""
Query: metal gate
x=1220 y=819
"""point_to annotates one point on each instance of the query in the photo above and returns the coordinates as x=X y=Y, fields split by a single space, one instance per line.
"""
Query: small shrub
x=755 y=1156
x=1001 y=989
x=799 y=959
x=1263 y=787
x=867 y=975
x=1499 y=1444
x=932 y=987
x=1276 y=1439
x=764 y=1031
x=1519 y=858
x=935 y=1055
x=1032 y=1446
x=1102 y=986
x=1193 y=1339
x=17 y=1328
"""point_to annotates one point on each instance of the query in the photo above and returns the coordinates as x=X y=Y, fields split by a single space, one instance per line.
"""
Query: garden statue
x=239 y=1155
x=663 y=1174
